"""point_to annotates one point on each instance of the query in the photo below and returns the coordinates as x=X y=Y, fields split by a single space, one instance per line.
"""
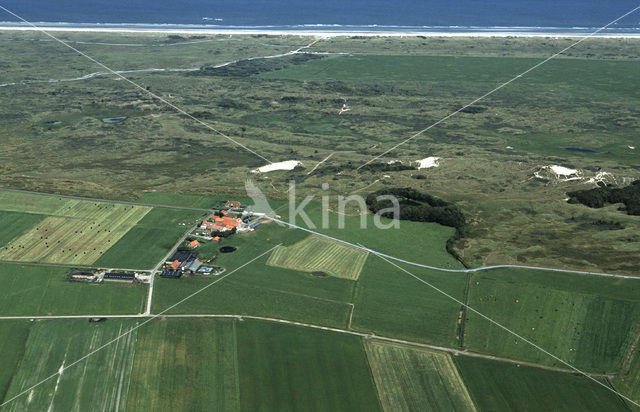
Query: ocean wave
x=336 y=27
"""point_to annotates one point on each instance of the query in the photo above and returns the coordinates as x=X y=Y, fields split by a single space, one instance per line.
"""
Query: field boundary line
x=117 y=338
x=509 y=330
x=478 y=269
x=362 y=334
x=138 y=86
x=450 y=115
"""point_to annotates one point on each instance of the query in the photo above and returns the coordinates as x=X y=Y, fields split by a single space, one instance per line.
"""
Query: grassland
x=73 y=231
x=284 y=368
x=497 y=386
x=393 y=87
x=101 y=381
x=586 y=321
x=628 y=379
x=185 y=364
x=259 y=289
x=410 y=379
x=14 y=224
x=319 y=254
x=150 y=239
x=14 y=335
x=42 y=290
x=81 y=236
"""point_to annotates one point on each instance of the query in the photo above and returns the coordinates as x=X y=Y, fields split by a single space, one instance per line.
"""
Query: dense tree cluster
x=418 y=207
x=600 y=196
x=244 y=68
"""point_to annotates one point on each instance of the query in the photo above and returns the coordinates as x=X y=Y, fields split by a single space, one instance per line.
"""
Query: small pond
x=227 y=249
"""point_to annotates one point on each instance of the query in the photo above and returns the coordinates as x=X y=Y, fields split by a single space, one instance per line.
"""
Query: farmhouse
x=119 y=276
x=194 y=244
x=220 y=224
x=232 y=204
x=78 y=276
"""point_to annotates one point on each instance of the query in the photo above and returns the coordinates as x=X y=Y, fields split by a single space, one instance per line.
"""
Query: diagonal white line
x=138 y=86
x=507 y=329
x=501 y=86
x=59 y=372
x=440 y=269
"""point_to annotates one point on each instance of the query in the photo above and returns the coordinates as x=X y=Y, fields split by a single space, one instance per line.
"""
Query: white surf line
x=136 y=85
x=478 y=269
x=509 y=331
x=62 y=369
x=501 y=86
x=320 y=162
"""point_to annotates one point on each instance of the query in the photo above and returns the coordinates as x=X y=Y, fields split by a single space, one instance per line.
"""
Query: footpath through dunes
x=318 y=254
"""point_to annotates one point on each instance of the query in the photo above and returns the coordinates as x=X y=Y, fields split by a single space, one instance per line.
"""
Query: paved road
x=579 y=272
x=164 y=259
x=366 y=249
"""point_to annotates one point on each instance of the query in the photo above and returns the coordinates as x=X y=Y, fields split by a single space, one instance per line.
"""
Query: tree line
x=600 y=196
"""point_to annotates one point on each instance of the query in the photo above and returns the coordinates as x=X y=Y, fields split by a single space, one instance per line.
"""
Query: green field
x=150 y=239
x=14 y=335
x=410 y=379
x=628 y=380
x=13 y=224
x=79 y=232
x=586 y=321
x=316 y=253
x=259 y=289
x=390 y=303
x=185 y=364
x=285 y=368
x=42 y=290
x=101 y=382
x=497 y=386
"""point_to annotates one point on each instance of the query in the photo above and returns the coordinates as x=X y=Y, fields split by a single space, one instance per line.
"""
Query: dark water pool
x=579 y=149
x=227 y=249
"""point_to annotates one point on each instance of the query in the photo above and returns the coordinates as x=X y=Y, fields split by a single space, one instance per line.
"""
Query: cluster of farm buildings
x=99 y=276
x=184 y=260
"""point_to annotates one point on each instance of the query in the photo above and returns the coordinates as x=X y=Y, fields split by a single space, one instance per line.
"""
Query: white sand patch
x=563 y=171
x=558 y=174
x=286 y=165
x=428 y=162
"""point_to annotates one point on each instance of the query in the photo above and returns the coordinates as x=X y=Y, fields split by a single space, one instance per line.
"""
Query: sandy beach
x=324 y=33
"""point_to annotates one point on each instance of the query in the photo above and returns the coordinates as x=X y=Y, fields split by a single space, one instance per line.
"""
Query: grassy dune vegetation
x=185 y=364
x=586 y=321
x=285 y=368
x=101 y=381
x=316 y=253
x=497 y=386
x=42 y=290
x=288 y=109
x=410 y=379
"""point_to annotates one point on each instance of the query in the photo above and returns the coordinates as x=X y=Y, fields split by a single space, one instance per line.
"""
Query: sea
x=535 y=16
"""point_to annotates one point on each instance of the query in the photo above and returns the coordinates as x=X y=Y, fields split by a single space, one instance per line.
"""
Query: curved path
x=366 y=249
